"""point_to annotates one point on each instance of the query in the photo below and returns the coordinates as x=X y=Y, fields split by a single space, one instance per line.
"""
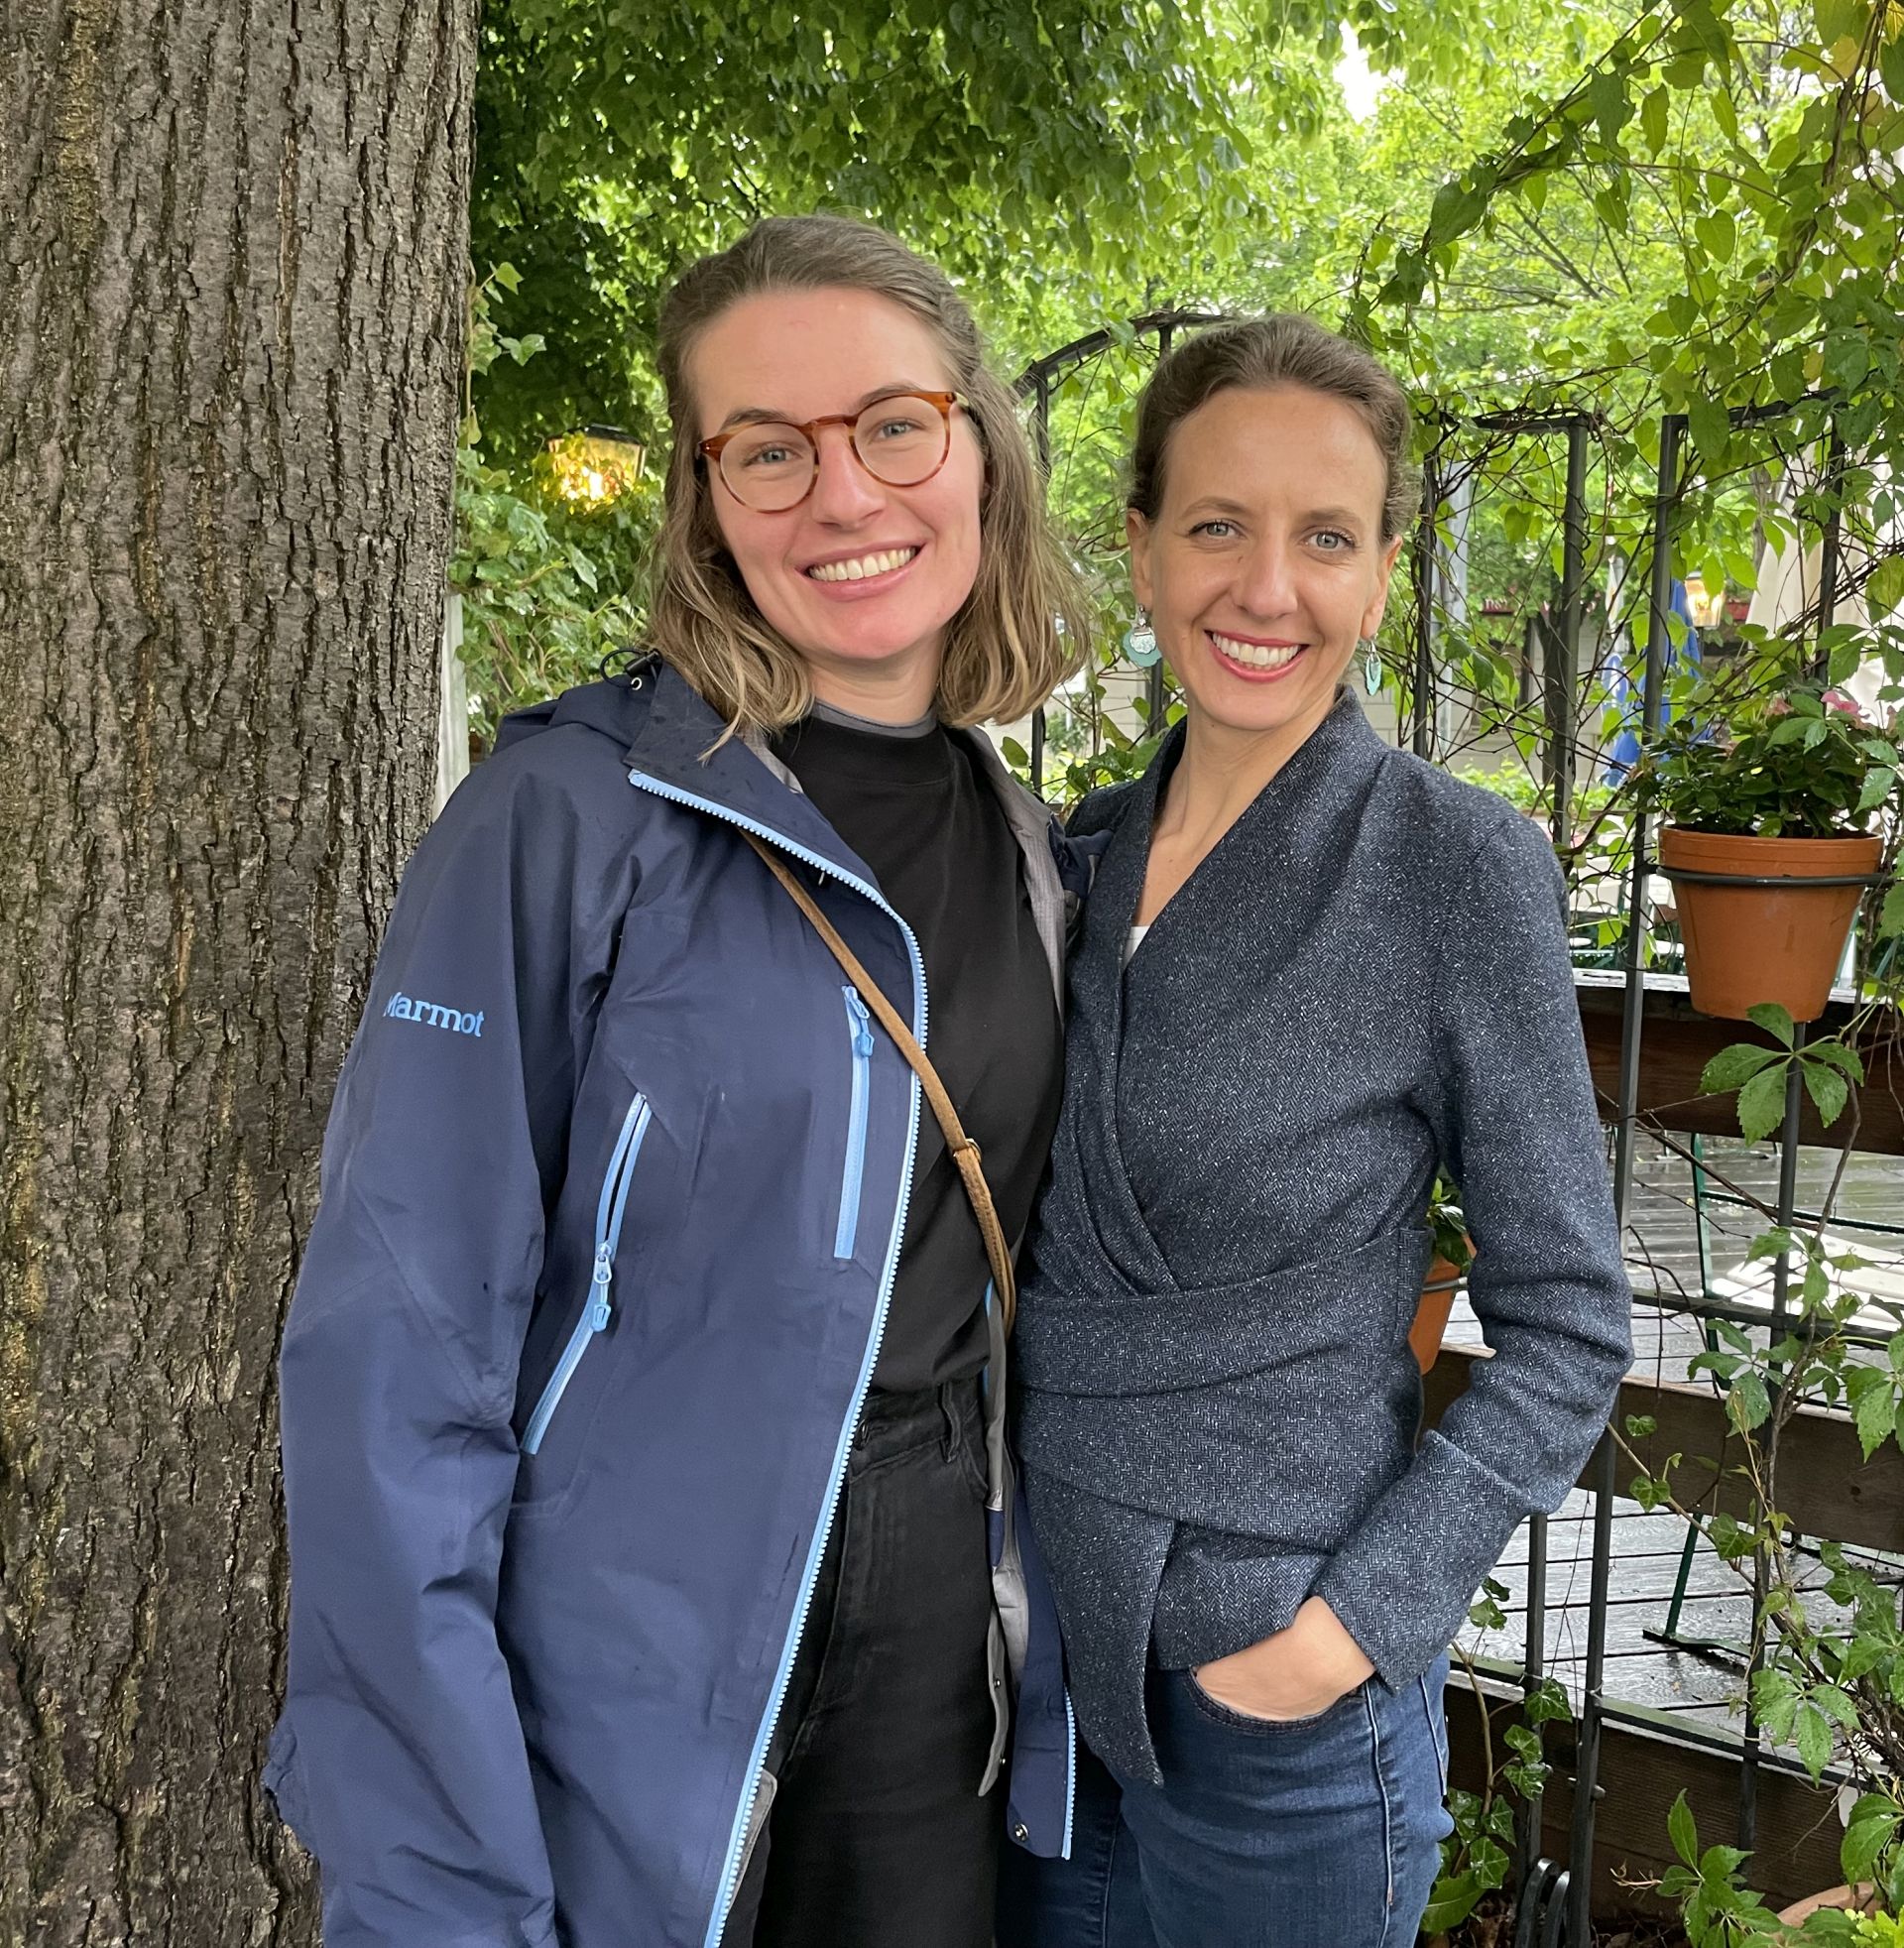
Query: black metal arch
x=1036 y=383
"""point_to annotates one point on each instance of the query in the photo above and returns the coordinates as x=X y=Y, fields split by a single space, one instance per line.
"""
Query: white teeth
x=863 y=565
x=1258 y=656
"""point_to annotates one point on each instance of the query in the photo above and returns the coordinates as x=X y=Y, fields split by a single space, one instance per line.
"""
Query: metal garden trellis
x=1553 y=1896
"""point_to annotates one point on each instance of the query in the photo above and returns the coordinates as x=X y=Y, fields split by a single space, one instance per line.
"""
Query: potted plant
x=1767 y=840
x=1454 y=1254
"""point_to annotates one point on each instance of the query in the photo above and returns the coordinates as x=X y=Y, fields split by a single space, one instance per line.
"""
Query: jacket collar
x=679 y=746
x=1332 y=760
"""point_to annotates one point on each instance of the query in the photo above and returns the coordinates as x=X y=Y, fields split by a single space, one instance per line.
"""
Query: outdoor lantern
x=597 y=464
x=1704 y=611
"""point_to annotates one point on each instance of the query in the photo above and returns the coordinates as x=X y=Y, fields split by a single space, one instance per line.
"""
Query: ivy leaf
x=1873 y=1406
x=1452 y=1903
x=1748 y=1405
x=1841 y=1055
x=1774 y=1018
x=1864 y=1839
x=1735 y=1066
x=1814 y=1739
x=1761 y=1104
x=1827 y=1089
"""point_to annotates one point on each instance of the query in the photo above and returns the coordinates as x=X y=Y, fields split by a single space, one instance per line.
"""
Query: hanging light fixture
x=1703 y=610
x=597 y=464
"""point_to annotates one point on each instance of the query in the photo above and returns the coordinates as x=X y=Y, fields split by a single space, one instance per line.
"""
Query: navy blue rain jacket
x=613 y=1192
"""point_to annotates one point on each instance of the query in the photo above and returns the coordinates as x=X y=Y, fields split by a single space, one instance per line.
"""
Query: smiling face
x=860 y=578
x=1265 y=564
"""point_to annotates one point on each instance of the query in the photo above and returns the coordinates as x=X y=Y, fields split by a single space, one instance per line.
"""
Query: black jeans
x=878 y=1837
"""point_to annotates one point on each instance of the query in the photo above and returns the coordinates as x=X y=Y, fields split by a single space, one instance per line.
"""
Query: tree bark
x=233 y=244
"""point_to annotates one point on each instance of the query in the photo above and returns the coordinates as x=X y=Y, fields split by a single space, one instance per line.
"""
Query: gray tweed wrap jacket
x=1367 y=977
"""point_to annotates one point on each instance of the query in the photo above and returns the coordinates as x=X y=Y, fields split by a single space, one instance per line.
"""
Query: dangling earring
x=1141 y=642
x=1372 y=671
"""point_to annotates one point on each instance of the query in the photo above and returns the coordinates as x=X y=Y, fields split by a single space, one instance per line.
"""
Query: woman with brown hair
x=1314 y=970
x=655 y=1570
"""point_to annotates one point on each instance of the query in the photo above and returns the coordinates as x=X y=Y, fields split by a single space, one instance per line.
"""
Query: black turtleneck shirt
x=913 y=801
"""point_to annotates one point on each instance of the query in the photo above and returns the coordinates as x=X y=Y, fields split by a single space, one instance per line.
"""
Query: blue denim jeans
x=1321 y=1832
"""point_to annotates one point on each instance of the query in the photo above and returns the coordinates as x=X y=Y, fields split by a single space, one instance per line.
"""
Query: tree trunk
x=233 y=246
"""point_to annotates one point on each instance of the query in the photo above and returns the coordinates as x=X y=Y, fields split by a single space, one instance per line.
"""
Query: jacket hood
x=612 y=705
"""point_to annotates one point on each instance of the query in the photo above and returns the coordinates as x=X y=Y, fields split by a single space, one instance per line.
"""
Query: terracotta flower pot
x=1751 y=943
x=1863 y=1897
x=1431 y=1316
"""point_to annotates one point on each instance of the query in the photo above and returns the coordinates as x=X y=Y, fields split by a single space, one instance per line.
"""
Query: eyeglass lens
x=901 y=440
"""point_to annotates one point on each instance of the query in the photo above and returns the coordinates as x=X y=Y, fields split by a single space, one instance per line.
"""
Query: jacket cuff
x=1403 y=1581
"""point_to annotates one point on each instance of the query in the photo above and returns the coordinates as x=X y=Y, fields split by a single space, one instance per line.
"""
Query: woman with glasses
x=656 y=1575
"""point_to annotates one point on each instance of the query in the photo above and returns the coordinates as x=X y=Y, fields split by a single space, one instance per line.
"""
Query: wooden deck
x=1698 y=1685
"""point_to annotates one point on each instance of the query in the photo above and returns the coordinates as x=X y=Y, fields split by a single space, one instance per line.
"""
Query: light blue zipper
x=743 y=1812
x=859 y=1027
x=608 y=1234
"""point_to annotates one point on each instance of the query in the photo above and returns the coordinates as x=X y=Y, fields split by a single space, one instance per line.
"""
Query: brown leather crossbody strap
x=964 y=1152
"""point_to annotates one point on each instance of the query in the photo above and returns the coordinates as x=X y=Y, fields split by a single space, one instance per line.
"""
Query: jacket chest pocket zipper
x=596 y=1311
x=858 y=1029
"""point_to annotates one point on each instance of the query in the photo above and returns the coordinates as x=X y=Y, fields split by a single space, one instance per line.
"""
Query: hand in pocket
x=1300 y=1673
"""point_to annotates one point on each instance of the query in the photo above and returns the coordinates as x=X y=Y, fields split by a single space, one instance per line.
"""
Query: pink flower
x=1780 y=706
x=1844 y=704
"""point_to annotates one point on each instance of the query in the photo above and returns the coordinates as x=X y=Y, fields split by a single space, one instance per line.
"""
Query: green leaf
x=1749 y=1403
x=1829 y=1090
x=1840 y=1054
x=1735 y=1066
x=1711 y=428
x=1873 y=1406
x=1864 y=1839
x=1761 y=1104
x=1890 y=918
x=1884 y=591
x=1608 y=95
x=1685 y=1834
x=1718 y=232
x=1813 y=1732
x=1653 y=112
x=1891 y=64
x=1774 y=1018
x=1547 y=1704
x=1454 y=1899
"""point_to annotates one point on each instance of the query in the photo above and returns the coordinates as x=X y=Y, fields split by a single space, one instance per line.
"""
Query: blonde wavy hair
x=1023 y=627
